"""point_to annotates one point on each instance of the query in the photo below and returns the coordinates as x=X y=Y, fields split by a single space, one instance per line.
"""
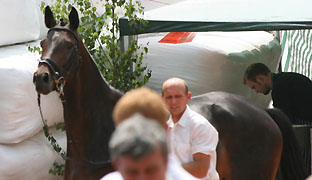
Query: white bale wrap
x=20 y=22
x=19 y=112
x=213 y=61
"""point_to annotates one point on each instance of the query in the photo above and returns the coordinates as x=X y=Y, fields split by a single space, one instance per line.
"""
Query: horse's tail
x=291 y=164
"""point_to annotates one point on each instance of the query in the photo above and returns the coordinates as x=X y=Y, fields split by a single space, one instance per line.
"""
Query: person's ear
x=189 y=95
x=260 y=79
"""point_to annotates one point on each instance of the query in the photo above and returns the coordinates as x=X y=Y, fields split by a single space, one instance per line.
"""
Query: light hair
x=143 y=101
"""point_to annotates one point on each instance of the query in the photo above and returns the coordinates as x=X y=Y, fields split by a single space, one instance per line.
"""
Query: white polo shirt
x=192 y=134
x=174 y=171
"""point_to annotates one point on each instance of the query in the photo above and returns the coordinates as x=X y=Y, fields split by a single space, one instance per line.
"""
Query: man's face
x=259 y=86
x=150 y=167
x=176 y=99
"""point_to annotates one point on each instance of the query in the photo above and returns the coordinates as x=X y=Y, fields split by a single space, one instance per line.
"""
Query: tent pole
x=126 y=40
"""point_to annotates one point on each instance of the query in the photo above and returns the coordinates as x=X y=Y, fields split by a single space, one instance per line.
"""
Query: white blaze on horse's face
x=58 y=48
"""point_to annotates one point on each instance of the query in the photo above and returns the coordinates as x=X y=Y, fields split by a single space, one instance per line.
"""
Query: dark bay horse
x=253 y=141
x=88 y=101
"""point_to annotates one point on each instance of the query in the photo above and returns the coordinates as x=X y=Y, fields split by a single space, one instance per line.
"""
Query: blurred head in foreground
x=138 y=149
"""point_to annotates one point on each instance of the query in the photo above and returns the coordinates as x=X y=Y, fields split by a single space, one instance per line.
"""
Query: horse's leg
x=223 y=163
x=292 y=164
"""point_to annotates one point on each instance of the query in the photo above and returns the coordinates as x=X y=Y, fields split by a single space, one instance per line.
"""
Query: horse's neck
x=87 y=80
x=88 y=107
x=87 y=92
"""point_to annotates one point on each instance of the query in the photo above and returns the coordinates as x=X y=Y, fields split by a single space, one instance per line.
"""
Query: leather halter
x=59 y=74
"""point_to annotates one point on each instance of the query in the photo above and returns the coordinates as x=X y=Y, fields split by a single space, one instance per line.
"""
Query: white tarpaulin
x=20 y=117
x=19 y=21
x=25 y=153
x=213 y=61
x=31 y=159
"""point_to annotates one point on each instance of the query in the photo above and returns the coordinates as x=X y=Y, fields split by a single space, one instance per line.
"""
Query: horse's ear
x=73 y=19
x=48 y=18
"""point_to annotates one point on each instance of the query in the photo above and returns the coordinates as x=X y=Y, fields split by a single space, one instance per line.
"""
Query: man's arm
x=199 y=167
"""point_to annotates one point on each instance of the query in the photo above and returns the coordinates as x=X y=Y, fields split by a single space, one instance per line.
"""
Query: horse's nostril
x=45 y=77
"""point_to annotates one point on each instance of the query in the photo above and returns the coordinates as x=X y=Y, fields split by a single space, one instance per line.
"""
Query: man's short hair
x=143 y=101
x=138 y=137
x=254 y=70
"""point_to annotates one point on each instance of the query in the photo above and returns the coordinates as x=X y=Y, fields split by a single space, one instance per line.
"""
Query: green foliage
x=53 y=142
x=34 y=49
x=57 y=169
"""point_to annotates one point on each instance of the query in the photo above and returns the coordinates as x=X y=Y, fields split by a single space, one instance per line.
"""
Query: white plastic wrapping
x=30 y=159
x=25 y=153
x=19 y=21
x=213 y=61
x=19 y=113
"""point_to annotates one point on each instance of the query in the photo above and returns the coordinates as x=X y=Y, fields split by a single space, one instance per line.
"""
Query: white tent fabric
x=224 y=15
x=233 y=11
x=297 y=51
x=213 y=61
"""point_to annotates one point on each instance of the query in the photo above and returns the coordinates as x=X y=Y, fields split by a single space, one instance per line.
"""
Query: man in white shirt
x=149 y=104
x=192 y=138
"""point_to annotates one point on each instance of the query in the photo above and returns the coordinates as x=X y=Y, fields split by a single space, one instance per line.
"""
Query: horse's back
x=250 y=143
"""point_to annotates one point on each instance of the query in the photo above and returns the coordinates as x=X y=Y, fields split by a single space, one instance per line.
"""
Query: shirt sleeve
x=204 y=138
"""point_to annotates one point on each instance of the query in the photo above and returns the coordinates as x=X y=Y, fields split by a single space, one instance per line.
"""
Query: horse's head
x=59 y=53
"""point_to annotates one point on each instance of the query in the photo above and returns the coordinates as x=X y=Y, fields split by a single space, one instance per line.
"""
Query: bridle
x=59 y=74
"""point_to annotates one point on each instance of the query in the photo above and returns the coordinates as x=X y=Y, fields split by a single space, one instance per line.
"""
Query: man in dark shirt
x=291 y=92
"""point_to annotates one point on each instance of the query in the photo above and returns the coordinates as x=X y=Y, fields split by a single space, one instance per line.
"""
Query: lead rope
x=56 y=146
x=54 y=143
